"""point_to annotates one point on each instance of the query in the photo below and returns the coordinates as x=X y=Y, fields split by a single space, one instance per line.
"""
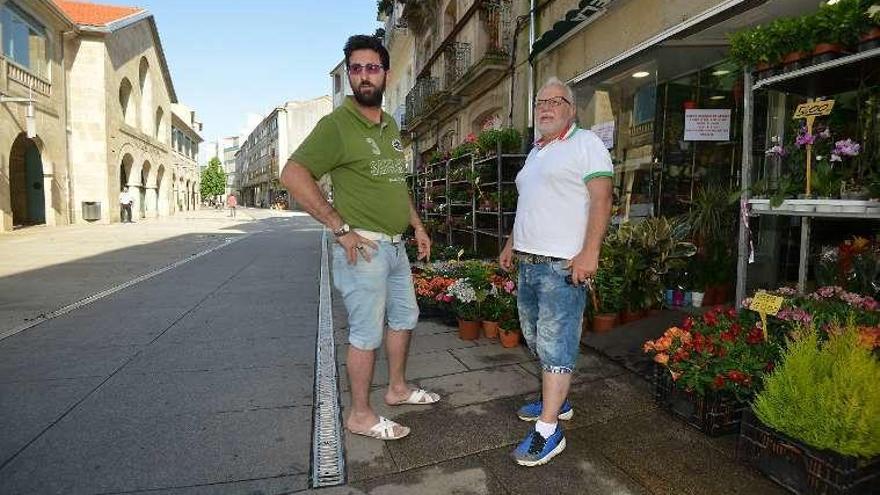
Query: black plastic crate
x=803 y=469
x=712 y=414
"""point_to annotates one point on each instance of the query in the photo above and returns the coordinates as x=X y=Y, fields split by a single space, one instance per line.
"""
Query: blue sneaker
x=536 y=450
x=532 y=411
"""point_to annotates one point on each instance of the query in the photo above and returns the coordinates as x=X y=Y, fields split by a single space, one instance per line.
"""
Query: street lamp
x=30 y=115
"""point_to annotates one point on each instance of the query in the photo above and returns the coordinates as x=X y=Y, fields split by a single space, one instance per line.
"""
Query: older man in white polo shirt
x=561 y=217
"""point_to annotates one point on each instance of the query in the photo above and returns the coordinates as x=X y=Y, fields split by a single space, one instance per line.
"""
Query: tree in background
x=213 y=179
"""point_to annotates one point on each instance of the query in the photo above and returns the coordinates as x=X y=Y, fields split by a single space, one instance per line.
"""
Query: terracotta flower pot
x=508 y=339
x=629 y=315
x=870 y=39
x=468 y=329
x=794 y=60
x=490 y=329
x=824 y=52
x=604 y=322
x=764 y=69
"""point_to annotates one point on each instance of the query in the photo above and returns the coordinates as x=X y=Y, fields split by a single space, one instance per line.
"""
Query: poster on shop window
x=707 y=124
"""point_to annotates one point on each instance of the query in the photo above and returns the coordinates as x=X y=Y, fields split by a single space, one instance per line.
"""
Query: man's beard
x=373 y=99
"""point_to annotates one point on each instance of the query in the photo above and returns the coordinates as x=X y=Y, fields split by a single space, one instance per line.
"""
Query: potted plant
x=608 y=285
x=708 y=367
x=870 y=37
x=465 y=304
x=814 y=427
x=509 y=331
x=836 y=27
x=795 y=37
x=499 y=302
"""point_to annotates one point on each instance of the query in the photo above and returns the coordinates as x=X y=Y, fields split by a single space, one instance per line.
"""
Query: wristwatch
x=342 y=230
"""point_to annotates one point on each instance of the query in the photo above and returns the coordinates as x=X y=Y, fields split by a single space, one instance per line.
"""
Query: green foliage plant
x=213 y=179
x=825 y=395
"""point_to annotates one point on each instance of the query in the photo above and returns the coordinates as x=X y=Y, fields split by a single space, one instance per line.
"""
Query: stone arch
x=126 y=102
x=450 y=14
x=487 y=119
x=162 y=198
x=146 y=88
x=27 y=182
x=125 y=170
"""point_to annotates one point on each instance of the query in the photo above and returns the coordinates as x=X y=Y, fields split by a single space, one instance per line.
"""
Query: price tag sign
x=814 y=109
x=765 y=304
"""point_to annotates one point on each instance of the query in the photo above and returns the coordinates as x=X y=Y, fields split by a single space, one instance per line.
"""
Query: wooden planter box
x=803 y=469
x=712 y=414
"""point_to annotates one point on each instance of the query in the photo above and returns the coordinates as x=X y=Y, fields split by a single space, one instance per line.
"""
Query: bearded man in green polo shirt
x=359 y=146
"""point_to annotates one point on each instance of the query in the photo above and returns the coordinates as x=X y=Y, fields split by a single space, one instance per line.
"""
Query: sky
x=234 y=61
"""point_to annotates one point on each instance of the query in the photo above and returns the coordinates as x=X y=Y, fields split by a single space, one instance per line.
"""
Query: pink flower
x=846 y=147
x=776 y=151
x=804 y=138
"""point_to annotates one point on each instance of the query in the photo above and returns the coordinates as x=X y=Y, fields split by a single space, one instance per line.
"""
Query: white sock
x=545 y=429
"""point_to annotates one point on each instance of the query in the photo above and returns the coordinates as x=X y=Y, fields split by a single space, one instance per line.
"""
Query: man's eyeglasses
x=554 y=102
x=371 y=69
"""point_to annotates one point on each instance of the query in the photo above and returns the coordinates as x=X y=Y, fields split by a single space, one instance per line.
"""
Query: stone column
x=152 y=199
x=48 y=194
x=134 y=190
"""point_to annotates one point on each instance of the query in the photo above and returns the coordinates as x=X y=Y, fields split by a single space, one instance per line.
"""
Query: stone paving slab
x=483 y=385
x=490 y=356
x=127 y=454
x=59 y=361
x=575 y=470
x=242 y=353
x=457 y=476
x=204 y=392
x=48 y=400
x=274 y=485
x=667 y=456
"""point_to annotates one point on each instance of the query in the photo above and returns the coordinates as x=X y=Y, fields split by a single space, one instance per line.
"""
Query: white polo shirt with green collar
x=554 y=203
x=366 y=163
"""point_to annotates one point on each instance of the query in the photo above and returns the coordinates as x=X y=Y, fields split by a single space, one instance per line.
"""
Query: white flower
x=462 y=291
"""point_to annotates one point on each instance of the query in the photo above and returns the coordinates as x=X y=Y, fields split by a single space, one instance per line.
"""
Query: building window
x=125 y=101
x=337 y=83
x=24 y=40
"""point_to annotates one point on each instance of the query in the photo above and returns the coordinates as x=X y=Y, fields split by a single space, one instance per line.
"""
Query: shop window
x=24 y=40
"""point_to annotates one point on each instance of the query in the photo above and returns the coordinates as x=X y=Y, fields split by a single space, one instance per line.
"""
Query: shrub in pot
x=509 y=332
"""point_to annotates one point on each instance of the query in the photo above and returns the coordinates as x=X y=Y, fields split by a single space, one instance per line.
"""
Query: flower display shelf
x=713 y=414
x=803 y=469
x=845 y=208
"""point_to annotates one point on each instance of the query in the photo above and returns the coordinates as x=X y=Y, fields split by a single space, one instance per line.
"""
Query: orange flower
x=662 y=358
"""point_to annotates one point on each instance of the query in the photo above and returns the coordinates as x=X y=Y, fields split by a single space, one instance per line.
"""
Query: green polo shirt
x=365 y=161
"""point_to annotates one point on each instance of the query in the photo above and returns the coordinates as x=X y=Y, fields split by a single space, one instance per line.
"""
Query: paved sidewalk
x=618 y=441
x=45 y=268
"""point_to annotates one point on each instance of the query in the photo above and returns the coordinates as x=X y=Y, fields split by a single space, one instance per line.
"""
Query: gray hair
x=555 y=81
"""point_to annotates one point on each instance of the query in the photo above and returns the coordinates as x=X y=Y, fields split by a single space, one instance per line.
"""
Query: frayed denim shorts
x=376 y=292
x=551 y=314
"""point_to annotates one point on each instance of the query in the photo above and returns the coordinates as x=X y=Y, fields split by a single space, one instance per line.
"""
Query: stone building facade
x=265 y=151
x=34 y=172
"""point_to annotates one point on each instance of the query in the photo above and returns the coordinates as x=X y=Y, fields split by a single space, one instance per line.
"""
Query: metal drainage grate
x=328 y=458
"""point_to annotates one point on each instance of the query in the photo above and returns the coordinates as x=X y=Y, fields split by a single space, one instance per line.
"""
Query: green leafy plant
x=839 y=22
x=510 y=140
x=826 y=180
x=825 y=395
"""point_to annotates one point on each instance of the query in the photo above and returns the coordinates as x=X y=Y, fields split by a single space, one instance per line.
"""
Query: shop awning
x=586 y=12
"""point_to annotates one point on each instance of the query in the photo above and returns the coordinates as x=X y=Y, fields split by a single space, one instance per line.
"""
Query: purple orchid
x=847 y=147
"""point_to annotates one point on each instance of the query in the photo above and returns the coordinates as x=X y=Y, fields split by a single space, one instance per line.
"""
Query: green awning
x=585 y=12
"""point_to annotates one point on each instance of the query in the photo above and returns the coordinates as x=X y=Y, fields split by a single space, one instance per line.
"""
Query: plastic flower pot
x=678 y=298
x=490 y=329
x=604 y=322
x=468 y=329
x=508 y=338
x=697 y=299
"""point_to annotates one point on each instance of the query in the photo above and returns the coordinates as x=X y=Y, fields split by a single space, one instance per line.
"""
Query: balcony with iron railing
x=472 y=58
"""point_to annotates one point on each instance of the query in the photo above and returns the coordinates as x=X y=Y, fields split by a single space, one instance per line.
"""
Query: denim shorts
x=551 y=314
x=375 y=292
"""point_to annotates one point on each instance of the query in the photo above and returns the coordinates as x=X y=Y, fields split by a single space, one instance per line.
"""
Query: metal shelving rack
x=429 y=177
x=808 y=82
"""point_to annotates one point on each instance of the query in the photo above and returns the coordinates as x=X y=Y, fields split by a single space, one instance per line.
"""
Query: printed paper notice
x=605 y=131
x=707 y=124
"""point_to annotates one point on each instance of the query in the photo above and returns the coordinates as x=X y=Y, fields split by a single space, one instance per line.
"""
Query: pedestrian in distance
x=562 y=214
x=231 y=203
x=359 y=146
x=125 y=203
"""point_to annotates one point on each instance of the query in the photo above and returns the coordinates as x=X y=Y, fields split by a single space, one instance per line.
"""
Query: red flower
x=735 y=329
x=687 y=324
x=755 y=336
x=680 y=355
x=769 y=367
x=728 y=336
x=710 y=318
x=718 y=382
x=731 y=312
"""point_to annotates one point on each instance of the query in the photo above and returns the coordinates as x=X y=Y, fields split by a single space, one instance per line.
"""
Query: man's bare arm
x=600 y=213
x=304 y=189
